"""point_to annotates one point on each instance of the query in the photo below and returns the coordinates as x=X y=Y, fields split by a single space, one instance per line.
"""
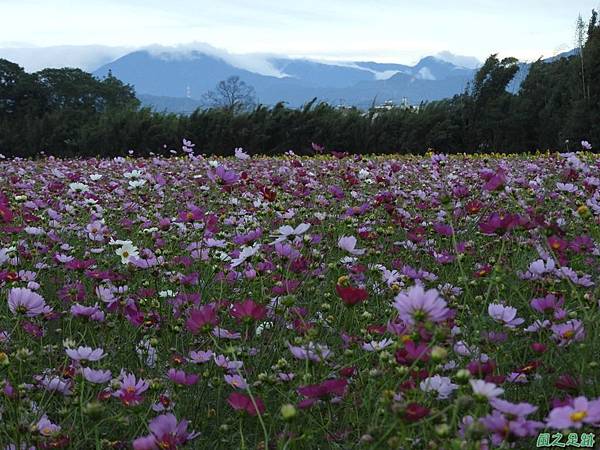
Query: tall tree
x=232 y=95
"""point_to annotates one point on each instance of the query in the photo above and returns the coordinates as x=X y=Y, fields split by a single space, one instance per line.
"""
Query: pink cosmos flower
x=417 y=305
x=348 y=243
x=166 y=433
x=504 y=314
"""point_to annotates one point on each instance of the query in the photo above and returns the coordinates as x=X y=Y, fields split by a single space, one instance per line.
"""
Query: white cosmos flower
x=79 y=187
x=240 y=154
x=133 y=174
x=442 y=385
x=287 y=231
x=484 y=389
x=246 y=253
x=126 y=252
x=133 y=184
x=376 y=346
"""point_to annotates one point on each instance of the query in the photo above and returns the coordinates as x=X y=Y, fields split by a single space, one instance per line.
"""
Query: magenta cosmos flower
x=166 y=433
x=202 y=319
x=248 y=310
x=417 y=305
x=25 y=301
x=131 y=390
x=581 y=412
x=242 y=402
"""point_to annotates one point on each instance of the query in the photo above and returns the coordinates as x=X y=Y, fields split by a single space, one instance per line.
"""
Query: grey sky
x=381 y=30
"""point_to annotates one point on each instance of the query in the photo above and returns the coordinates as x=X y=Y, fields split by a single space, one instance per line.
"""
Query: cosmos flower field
x=402 y=302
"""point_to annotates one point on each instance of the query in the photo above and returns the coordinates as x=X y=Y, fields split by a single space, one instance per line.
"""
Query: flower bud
x=288 y=411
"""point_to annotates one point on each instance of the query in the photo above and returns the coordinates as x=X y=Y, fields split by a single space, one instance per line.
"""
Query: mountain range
x=175 y=82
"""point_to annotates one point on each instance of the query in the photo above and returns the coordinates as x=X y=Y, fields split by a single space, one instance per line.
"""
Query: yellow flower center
x=578 y=416
x=568 y=334
x=343 y=280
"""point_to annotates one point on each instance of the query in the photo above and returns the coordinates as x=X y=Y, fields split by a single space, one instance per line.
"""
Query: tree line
x=70 y=113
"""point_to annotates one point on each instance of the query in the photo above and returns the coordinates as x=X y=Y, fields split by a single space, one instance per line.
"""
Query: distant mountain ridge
x=176 y=83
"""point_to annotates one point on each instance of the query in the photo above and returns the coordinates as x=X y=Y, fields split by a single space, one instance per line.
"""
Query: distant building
x=389 y=105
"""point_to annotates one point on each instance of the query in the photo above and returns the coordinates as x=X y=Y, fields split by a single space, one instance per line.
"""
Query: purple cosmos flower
x=25 y=301
x=548 y=303
x=570 y=331
x=417 y=305
x=180 y=377
x=90 y=312
x=226 y=363
x=96 y=376
x=200 y=356
x=223 y=176
x=581 y=411
x=56 y=384
x=85 y=354
x=236 y=381
x=513 y=409
x=47 y=428
x=503 y=429
x=311 y=351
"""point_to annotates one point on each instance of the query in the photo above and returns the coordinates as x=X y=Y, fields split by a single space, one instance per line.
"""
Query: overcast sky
x=380 y=30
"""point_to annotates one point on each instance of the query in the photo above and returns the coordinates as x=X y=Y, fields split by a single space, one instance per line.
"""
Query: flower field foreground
x=293 y=303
